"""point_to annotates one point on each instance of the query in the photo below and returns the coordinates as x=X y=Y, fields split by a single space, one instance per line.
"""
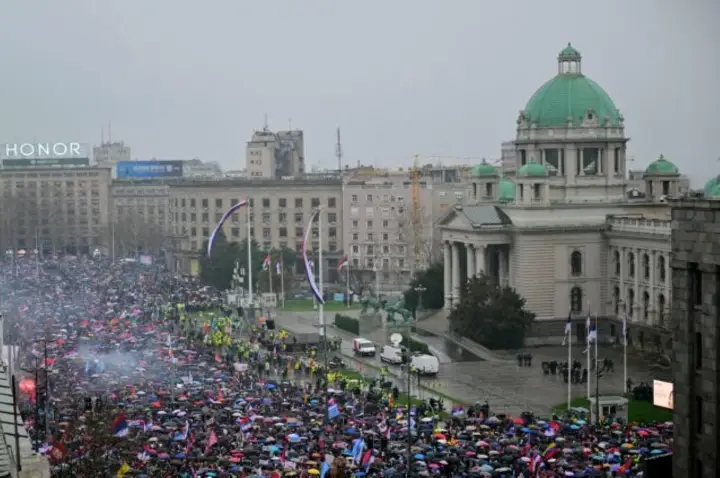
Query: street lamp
x=599 y=372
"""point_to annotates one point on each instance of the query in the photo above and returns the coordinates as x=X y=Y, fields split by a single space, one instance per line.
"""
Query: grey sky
x=183 y=78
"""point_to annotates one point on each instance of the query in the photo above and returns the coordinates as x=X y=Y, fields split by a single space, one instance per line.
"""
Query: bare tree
x=430 y=240
x=134 y=233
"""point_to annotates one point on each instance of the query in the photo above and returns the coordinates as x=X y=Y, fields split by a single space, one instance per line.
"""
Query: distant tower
x=339 y=152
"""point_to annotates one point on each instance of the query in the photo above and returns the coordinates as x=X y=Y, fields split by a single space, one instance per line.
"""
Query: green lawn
x=638 y=410
x=304 y=305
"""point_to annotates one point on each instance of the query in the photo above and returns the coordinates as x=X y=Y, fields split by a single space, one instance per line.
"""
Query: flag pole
x=569 y=339
x=625 y=341
x=249 y=257
x=270 y=275
x=282 y=282
x=597 y=339
x=588 y=328
x=347 y=282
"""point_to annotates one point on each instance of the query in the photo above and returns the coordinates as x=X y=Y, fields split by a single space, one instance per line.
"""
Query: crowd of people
x=143 y=373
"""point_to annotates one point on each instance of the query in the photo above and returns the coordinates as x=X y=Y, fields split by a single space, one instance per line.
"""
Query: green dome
x=483 y=169
x=532 y=170
x=506 y=190
x=714 y=192
x=662 y=167
x=710 y=185
x=570 y=96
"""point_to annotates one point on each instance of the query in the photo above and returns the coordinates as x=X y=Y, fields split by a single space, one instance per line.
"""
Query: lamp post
x=599 y=372
x=419 y=291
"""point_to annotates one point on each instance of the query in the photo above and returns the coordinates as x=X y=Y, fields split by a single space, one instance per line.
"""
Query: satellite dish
x=396 y=339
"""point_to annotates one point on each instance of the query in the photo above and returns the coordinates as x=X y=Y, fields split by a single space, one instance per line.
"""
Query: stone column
x=501 y=266
x=479 y=259
x=470 y=261
x=447 y=275
x=653 y=295
x=455 y=273
x=668 y=281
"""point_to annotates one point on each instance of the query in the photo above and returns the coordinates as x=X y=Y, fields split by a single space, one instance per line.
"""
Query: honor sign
x=23 y=155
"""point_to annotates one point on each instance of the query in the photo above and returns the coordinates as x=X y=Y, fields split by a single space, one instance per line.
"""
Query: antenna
x=339 y=152
x=289 y=124
x=102 y=136
x=265 y=125
x=109 y=131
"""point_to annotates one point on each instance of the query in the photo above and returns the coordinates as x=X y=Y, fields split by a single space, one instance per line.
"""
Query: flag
x=592 y=334
x=119 y=427
x=267 y=263
x=568 y=328
x=324 y=469
x=278 y=267
x=624 y=328
x=333 y=411
x=343 y=263
x=183 y=434
x=357 y=449
x=212 y=439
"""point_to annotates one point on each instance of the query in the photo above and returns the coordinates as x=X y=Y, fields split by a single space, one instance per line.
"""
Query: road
x=507 y=387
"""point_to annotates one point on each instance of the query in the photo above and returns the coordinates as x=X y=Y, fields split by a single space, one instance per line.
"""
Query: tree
x=430 y=240
x=491 y=315
x=362 y=280
x=432 y=280
x=135 y=234
x=288 y=259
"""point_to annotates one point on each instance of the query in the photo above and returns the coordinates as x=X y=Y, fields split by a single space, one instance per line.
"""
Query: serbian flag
x=119 y=427
x=267 y=262
x=343 y=263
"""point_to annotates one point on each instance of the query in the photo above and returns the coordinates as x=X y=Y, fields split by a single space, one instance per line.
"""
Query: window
x=646 y=266
x=616 y=259
x=235 y=232
x=282 y=202
x=282 y=232
x=661 y=309
x=631 y=264
x=332 y=217
x=695 y=285
x=298 y=232
x=332 y=202
x=698 y=414
x=205 y=202
x=616 y=299
x=355 y=223
x=355 y=236
x=698 y=350
x=369 y=197
x=315 y=202
x=369 y=224
x=355 y=249
x=298 y=202
x=576 y=263
x=630 y=302
x=646 y=305
x=219 y=203
x=385 y=223
x=576 y=298
x=661 y=268
x=266 y=202
x=353 y=198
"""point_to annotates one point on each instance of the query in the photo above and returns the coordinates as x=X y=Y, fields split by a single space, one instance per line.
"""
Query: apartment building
x=109 y=153
x=54 y=209
x=275 y=155
x=696 y=335
x=140 y=216
x=279 y=211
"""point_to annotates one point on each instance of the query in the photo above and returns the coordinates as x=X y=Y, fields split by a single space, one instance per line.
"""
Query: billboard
x=44 y=150
x=45 y=163
x=663 y=394
x=149 y=169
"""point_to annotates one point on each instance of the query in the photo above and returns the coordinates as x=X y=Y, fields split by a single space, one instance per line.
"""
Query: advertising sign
x=43 y=150
x=149 y=169
x=45 y=163
x=663 y=394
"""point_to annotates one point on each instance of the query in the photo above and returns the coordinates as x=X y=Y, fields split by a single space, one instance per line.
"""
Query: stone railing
x=648 y=226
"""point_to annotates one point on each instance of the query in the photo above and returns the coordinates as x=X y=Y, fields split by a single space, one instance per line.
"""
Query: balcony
x=640 y=225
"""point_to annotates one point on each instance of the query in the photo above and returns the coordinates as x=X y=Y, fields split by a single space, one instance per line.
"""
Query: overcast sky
x=185 y=78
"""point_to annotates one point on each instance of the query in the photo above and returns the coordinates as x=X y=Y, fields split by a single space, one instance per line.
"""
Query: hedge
x=347 y=324
x=416 y=346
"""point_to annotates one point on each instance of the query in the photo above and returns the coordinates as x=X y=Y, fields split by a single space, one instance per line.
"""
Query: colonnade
x=491 y=259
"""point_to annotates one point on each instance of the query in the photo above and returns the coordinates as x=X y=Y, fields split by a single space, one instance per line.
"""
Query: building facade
x=279 y=211
x=54 y=209
x=564 y=231
x=140 y=217
x=275 y=155
x=696 y=335
x=109 y=153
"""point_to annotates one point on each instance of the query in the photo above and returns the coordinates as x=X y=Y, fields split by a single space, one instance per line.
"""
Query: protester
x=149 y=376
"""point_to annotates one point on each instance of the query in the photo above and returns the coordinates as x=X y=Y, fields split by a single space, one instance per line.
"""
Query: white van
x=391 y=354
x=363 y=347
x=426 y=364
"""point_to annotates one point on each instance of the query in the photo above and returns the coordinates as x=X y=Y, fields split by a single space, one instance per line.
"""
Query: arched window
x=661 y=266
x=630 y=302
x=646 y=305
x=616 y=260
x=616 y=299
x=576 y=263
x=631 y=264
x=661 y=310
x=646 y=266
x=576 y=299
